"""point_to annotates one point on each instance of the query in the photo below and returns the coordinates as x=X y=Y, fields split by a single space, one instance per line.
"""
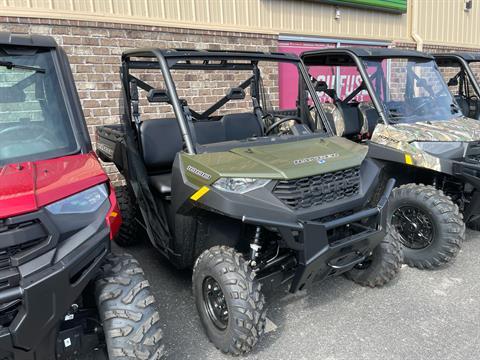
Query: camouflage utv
x=245 y=196
x=397 y=102
x=461 y=70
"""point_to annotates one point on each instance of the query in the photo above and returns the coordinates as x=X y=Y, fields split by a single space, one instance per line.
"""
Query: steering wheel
x=41 y=131
x=281 y=121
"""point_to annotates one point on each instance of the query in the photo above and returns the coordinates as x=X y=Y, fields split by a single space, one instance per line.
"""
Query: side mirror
x=320 y=86
x=158 y=96
x=236 y=94
x=453 y=82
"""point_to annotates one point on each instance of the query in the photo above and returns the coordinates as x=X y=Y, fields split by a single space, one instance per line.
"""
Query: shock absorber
x=255 y=246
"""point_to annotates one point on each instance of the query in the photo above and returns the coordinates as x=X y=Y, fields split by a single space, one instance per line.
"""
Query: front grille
x=20 y=240
x=17 y=239
x=319 y=189
x=472 y=154
x=474 y=158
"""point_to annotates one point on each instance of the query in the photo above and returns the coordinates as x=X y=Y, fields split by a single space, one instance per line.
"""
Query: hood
x=28 y=186
x=459 y=129
x=288 y=160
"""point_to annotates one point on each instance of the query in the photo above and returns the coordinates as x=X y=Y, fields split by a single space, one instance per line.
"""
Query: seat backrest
x=241 y=126
x=160 y=140
x=334 y=118
x=230 y=127
x=208 y=132
x=352 y=120
x=369 y=117
x=476 y=106
x=470 y=106
x=464 y=107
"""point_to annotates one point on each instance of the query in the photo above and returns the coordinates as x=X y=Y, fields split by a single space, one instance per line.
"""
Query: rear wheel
x=381 y=266
x=429 y=223
x=129 y=232
x=128 y=311
x=229 y=300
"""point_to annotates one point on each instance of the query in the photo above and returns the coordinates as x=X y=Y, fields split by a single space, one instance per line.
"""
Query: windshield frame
x=475 y=80
x=463 y=64
x=167 y=60
x=67 y=90
x=380 y=104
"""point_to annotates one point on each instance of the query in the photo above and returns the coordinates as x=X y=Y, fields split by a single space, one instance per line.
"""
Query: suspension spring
x=255 y=246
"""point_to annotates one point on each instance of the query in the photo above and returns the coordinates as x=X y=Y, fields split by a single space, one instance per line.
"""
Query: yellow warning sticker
x=408 y=159
x=200 y=192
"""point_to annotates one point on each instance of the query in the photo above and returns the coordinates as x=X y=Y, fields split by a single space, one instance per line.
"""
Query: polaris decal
x=197 y=172
x=321 y=159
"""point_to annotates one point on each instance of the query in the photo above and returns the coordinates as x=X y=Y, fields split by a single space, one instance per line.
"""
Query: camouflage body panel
x=289 y=160
x=400 y=137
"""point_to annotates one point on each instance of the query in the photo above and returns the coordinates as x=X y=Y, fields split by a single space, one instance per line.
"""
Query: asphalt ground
x=419 y=315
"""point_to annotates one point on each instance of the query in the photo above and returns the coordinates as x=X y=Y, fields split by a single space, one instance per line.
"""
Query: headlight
x=87 y=201
x=239 y=185
x=456 y=148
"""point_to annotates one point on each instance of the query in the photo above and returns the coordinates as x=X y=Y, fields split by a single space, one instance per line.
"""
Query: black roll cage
x=187 y=59
x=464 y=61
x=336 y=57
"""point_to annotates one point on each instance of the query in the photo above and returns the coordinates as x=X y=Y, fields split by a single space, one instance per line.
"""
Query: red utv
x=62 y=294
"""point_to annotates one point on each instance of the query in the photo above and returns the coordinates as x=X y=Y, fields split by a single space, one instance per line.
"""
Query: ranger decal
x=197 y=172
x=319 y=159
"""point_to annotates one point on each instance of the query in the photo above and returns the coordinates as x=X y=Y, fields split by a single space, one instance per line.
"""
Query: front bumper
x=470 y=173
x=45 y=296
x=319 y=255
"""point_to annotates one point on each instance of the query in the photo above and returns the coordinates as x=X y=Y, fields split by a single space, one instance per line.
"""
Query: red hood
x=27 y=186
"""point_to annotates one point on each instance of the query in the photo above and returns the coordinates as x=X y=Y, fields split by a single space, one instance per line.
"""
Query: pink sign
x=349 y=78
x=288 y=79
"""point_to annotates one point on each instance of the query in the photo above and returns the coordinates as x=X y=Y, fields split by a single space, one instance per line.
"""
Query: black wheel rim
x=414 y=226
x=215 y=303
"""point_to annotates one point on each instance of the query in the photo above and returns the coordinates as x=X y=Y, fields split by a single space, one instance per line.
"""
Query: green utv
x=245 y=196
x=462 y=69
x=397 y=102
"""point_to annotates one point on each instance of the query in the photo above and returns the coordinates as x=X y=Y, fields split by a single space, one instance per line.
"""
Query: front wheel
x=128 y=311
x=381 y=266
x=229 y=300
x=429 y=223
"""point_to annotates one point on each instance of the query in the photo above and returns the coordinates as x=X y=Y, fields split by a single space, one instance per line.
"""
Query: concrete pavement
x=420 y=315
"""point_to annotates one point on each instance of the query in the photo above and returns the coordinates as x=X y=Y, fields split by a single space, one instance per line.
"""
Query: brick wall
x=94 y=50
x=476 y=70
x=9 y=110
x=447 y=72
x=201 y=89
x=440 y=49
